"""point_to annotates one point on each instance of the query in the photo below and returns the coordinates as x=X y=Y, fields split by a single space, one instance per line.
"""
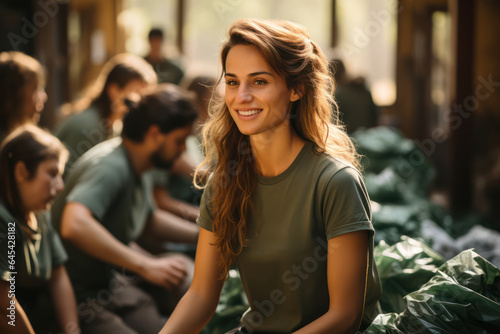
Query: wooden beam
x=180 y=25
x=460 y=148
x=334 y=26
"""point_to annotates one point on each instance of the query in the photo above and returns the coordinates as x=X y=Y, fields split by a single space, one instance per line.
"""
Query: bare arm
x=167 y=226
x=170 y=204
x=347 y=274
x=85 y=232
x=64 y=300
x=198 y=305
x=19 y=322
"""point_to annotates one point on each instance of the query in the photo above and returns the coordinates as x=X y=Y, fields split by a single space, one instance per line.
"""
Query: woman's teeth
x=249 y=112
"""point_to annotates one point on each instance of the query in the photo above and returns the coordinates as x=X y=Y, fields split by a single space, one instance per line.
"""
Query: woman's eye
x=260 y=82
x=231 y=83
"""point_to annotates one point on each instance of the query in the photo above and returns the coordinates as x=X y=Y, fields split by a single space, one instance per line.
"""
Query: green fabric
x=167 y=71
x=284 y=267
x=81 y=132
x=34 y=257
x=103 y=180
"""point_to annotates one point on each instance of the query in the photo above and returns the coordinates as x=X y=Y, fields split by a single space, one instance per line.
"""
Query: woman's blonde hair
x=289 y=51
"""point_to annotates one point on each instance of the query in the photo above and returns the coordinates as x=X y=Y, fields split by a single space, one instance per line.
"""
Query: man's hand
x=168 y=272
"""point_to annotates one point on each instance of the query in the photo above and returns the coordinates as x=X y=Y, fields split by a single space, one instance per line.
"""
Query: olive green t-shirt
x=29 y=260
x=103 y=180
x=81 y=132
x=284 y=264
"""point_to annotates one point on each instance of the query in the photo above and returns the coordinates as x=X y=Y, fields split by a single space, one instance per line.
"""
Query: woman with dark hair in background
x=285 y=200
x=22 y=92
x=33 y=276
x=100 y=113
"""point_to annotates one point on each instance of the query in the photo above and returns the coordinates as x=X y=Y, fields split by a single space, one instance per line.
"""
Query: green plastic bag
x=404 y=268
x=393 y=221
x=462 y=297
x=233 y=303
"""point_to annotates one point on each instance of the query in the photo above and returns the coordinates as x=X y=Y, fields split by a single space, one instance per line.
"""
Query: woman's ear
x=297 y=93
x=21 y=172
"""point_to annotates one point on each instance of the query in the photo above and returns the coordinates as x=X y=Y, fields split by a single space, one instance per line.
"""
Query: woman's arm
x=64 y=300
x=13 y=318
x=347 y=274
x=198 y=305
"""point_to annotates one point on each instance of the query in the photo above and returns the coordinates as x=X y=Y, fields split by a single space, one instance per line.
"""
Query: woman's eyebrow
x=250 y=74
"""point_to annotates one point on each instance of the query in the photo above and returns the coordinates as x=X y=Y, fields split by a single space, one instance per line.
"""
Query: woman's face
x=35 y=97
x=257 y=97
x=38 y=192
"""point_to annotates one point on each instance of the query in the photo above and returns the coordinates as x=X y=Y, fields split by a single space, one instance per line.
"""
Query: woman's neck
x=275 y=150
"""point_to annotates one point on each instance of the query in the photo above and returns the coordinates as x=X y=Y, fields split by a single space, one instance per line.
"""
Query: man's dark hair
x=166 y=105
x=155 y=32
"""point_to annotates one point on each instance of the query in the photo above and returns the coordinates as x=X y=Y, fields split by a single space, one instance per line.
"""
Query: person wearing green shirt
x=35 y=290
x=285 y=200
x=105 y=209
x=98 y=115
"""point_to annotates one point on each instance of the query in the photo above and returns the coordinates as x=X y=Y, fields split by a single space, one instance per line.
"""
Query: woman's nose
x=59 y=184
x=244 y=94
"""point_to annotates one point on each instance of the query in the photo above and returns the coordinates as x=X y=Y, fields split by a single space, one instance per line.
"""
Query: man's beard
x=159 y=162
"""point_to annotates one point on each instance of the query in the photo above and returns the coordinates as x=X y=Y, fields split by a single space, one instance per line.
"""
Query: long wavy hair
x=314 y=117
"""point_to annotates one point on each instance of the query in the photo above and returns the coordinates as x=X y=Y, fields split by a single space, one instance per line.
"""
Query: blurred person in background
x=98 y=116
x=354 y=100
x=31 y=254
x=105 y=209
x=176 y=193
x=168 y=71
x=22 y=91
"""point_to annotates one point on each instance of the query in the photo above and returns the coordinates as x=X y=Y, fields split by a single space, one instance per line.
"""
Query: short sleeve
x=345 y=204
x=206 y=210
x=98 y=188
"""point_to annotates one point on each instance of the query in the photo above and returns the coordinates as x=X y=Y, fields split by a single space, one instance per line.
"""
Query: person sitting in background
x=354 y=100
x=21 y=91
x=105 y=208
x=175 y=192
x=35 y=289
x=99 y=115
x=167 y=70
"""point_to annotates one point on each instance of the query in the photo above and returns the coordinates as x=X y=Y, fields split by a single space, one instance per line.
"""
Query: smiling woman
x=31 y=254
x=285 y=200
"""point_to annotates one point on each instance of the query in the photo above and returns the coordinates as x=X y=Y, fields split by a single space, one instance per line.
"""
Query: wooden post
x=460 y=148
x=180 y=25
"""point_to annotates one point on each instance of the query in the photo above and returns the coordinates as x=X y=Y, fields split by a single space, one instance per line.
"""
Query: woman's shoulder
x=328 y=166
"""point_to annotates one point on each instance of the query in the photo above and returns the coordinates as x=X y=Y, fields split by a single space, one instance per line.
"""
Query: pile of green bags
x=462 y=296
